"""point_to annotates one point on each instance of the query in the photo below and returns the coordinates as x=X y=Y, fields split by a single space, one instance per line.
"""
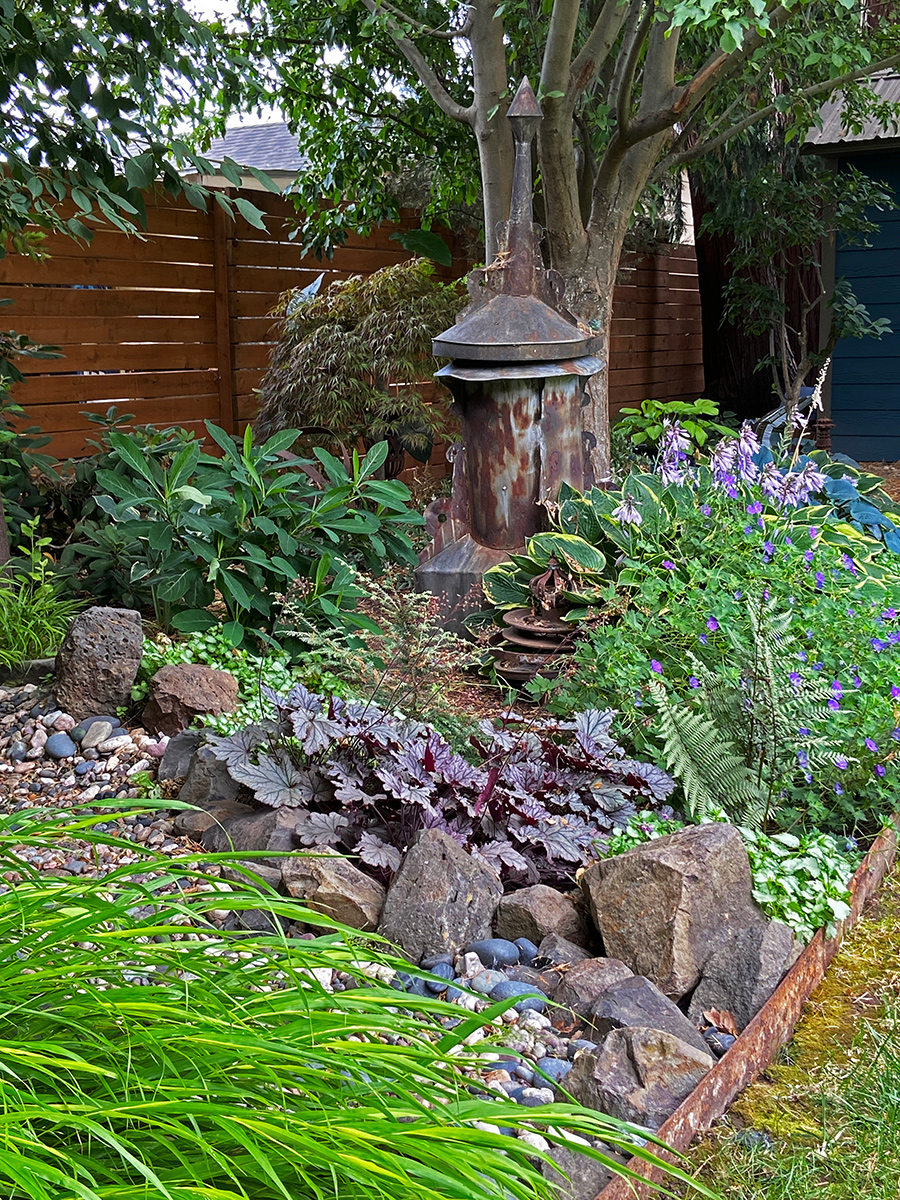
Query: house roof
x=833 y=136
x=269 y=145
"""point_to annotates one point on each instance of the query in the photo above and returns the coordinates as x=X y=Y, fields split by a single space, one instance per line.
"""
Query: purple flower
x=748 y=529
x=768 y=547
x=879 y=770
x=803 y=731
x=894 y=636
x=765 y=593
x=748 y=448
x=877 y=644
x=795 y=678
x=802 y=758
x=857 y=682
x=702 y=639
x=849 y=565
x=841 y=763
x=889 y=613
x=895 y=692
x=809 y=555
x=834 y=705
x=871 y=744
x=738 y=594
x=817 y=666
x=802 y=655
x=669 y=566
x=755 y=507
x=838 y=790
x=813 y=532
x=712 y=624
x=656 y=666
x=820 y=581
x=836 y=687
x=706 y=510
x=895 y=734
x=788 y=541
x=626 y=513
x=675 y=443
x=693 y=681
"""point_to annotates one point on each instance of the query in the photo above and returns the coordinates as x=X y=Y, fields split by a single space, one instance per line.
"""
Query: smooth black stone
x=495 y=952
x=525 y=1073
x=430 y=961
x=554 y=1068
x=17 y=752
x=453 y=993
x=532 y=998
x=526 y=1101
x=719 y=1043
x=84 y=768
x=60 y=745
x=37 y=787
x=528 y=951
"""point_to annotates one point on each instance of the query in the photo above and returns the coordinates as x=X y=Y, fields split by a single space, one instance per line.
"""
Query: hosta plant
x=540 y=798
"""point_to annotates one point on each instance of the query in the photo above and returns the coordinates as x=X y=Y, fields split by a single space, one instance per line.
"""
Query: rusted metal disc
x=527 y=642
x=542 y=625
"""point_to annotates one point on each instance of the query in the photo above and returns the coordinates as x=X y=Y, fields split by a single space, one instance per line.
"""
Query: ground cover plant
x=146 y=1053
x=744 y=630
x=34 y=611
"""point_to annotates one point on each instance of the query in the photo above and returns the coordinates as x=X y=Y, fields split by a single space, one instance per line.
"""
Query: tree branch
x=447 y=35
x=762 y=114
x=422 y=67
x=598 y=44
x=558 y=48
x=623 y=80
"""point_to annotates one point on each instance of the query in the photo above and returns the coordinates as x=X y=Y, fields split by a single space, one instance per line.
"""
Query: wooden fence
x=173 y=326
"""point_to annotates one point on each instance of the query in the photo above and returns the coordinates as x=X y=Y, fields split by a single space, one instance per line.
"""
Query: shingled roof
x=834 y=137
x=270 y=146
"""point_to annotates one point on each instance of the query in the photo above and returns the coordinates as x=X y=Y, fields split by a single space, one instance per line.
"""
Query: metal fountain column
x=520 y=366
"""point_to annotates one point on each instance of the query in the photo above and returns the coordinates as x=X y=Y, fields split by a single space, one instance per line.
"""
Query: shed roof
x=834 y=137
x=269 y=146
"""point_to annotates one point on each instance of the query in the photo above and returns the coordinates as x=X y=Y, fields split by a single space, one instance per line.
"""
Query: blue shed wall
x=865 y=374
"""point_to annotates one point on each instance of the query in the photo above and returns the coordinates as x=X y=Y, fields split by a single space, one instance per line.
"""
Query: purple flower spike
x=656 y=666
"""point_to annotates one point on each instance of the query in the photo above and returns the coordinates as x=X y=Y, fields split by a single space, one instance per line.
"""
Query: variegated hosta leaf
x=277 y=782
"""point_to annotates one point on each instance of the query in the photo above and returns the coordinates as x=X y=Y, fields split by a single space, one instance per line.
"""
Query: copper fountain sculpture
x=519 y=370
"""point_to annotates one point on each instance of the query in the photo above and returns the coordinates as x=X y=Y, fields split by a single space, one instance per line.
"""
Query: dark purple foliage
x=542 y=796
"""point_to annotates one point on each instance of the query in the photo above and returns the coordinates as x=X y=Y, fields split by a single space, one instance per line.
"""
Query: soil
x=890 y=473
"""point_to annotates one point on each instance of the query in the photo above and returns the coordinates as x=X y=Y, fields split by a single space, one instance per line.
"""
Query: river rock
x=60 y=745
x=665 y=907
x=743 y=974
x=638 y=1002
x=179 y=692
x=440 y=897
x=327 y=883
x=178 y=754
x=584 y=983
x=495 y=952
x=241 y=872
x=98 y=661
x=95 y=733
x=536 y=911
x=638 y=1075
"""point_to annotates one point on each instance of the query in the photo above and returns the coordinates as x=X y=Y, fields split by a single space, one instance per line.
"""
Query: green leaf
x=425 y=244
x=250 y=212
x=233 y=632
x=194 y=620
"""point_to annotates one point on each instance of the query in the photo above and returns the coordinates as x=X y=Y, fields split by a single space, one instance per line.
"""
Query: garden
x=370 y=831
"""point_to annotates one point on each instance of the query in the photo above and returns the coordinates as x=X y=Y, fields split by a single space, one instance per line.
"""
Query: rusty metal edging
x=769 y=1030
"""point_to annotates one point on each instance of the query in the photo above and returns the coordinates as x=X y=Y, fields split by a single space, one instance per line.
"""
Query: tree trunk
x=492 y=133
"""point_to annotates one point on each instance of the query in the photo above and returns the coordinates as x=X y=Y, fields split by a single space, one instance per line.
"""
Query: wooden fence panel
x=174 y=325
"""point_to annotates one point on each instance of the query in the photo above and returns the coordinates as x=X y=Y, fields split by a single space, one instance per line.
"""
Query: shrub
x=146 y=1053
x=34 y=615
x=542 y=795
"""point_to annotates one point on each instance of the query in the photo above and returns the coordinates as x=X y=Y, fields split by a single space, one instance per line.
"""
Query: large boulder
x=637 y=1002
x=536 y=911
x=585 y=982
x=440 y=898
x=638 y=1075
x=178 y=755
x=195 y=821
x=208 y=783
x=666 y=907
x=179 y=692
x=744 y=973
x=579 y=1177
x=260 y=829
x=327 y=883
x=98 y=661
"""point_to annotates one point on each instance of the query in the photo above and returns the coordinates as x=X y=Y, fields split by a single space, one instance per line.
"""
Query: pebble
x=554 y=1068
x=95 y=733
x=112 y=744
x=445 y=971
x=495 y=952
x=528 y=951
x=486 y=981
x=17 y=751
x=84 y=768
x=532 y=1000
x=60 y=745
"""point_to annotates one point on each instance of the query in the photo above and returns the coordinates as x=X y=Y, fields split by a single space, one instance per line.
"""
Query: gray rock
x=638 y=1002
x=95 y=733
x=260 y=829
x=176 y=760
x=440 y=898
x=17 y=751
x=98 y=661
x=665 y=907
x=60 y=745
x=327 y=883
x=560 y=950
x=743 y=974
x=495 y=952
x=208 y=782
x=533 y=1000
x=547 y=980
x=578 y=1177
x=486 y=981
x=638 y=1075
x=194 y=821
x=179 y=692
x=536 y=911
x=241 y=872
x=584 y=983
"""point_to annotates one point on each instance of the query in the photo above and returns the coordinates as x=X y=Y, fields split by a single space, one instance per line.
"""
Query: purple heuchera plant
x=541 y=797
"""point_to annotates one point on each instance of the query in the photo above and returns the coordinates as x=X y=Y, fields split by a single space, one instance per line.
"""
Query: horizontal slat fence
x=173 y=326
x=656 y=339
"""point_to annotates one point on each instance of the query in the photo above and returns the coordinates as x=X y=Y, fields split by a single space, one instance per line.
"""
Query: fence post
x=221 y=223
